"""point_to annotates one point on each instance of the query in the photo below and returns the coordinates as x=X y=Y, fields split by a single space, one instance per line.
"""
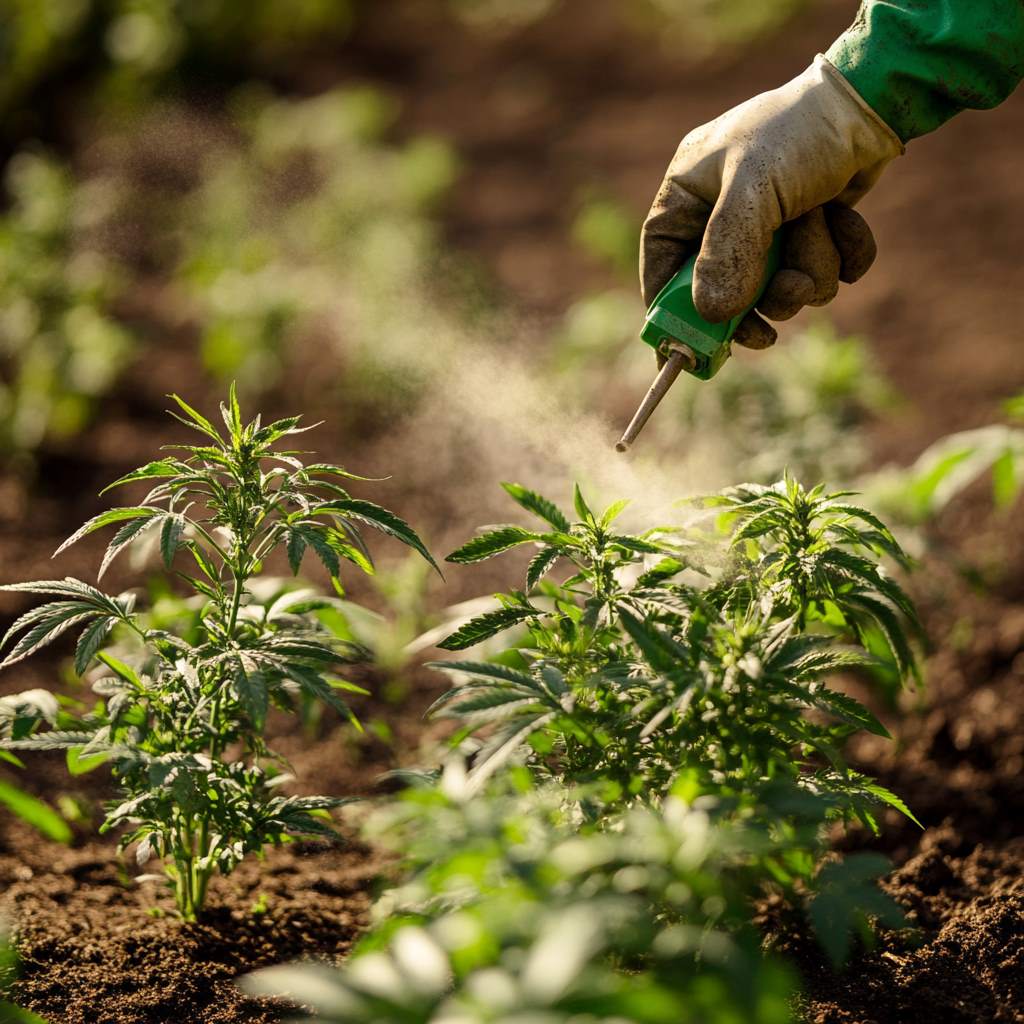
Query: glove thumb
x=731 y=263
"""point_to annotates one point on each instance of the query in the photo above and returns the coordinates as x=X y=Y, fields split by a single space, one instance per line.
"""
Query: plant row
x=657 y=745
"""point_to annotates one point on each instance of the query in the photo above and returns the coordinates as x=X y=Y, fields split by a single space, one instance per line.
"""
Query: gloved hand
x=804 y=153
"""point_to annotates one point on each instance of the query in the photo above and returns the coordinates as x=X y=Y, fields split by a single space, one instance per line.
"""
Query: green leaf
x=1005 y=479
x=316 y=686
x=170 y=537
x=486 y=670
x=540 y=565
x=315 y=536
x=55 y=739
x=123 y=537
x=383 y=520
x=326 y=469
x=892 y=629
x=847 y=897
x=296 y=548
x=485 y=705
x=539 y=506
x=879 y=792
x=641 y=547
x=503 y=744
x=232 y=415
x=581 y=506
x=849 y=710
x=120 y=669
x=90 y=642
x=486 y=625
x=492 y=543
x=352 y=554
x=205 y=563
x=661 y=652
x=79 y=765
x=168 y=467
x=664 y=570
x=251 y=689
x=612 y=512
x=63 y=615
x=195 y=419
x=112 y=515
x=39 y=815
x=11 y=1014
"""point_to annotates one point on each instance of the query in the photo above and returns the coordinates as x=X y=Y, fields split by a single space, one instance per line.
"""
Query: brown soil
x=539 y=115
x=97 y=949
x=966 y=964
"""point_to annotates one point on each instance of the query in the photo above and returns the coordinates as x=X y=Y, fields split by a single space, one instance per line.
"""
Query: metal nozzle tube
x=679 y=359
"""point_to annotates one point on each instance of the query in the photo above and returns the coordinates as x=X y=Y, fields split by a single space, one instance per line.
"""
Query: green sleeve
x=919 y=62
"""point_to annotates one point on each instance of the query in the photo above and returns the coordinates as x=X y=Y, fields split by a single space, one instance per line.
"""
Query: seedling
x=181 y=721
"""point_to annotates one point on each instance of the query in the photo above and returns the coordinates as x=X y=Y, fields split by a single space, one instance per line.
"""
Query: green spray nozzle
x=687 y=341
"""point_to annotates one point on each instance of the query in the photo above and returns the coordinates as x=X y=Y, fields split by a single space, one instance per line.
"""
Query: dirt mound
x=964 y=961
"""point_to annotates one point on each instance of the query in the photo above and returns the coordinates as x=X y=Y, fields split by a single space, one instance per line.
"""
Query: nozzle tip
x=622 y=446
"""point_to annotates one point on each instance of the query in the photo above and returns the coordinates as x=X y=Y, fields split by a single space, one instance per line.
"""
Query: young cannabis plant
x=816 y=556
x=514 y=910
x=658 y=658
x=182 y=724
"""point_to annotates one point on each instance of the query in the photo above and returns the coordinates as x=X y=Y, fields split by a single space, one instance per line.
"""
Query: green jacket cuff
x=918 y=64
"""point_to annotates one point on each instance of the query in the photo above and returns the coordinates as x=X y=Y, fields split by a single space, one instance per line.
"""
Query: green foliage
x=711 y=25
x=515 y=910
x=847 y=897
x=266 y=267
x=798 y=411
x=707 y=25
x=60 y=344
x=16 y=710
x=608 y=231
x=661 y=657
x=181 y=720
x=946 y=468
x=633 y=775
x=133 y=46
x=817 y=555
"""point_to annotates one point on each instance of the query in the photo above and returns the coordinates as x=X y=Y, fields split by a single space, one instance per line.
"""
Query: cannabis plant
x=515 y=910
x=181 y=723
x=661 y=656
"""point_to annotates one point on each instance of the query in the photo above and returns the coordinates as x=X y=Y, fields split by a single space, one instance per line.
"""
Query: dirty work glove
x=804 y=153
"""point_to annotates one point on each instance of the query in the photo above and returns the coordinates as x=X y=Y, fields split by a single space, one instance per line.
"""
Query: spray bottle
x=685 y=340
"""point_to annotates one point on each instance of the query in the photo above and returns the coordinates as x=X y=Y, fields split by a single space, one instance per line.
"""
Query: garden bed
x=91 y=949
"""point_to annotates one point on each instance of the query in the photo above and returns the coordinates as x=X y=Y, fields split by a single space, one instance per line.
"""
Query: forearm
x=917 y=64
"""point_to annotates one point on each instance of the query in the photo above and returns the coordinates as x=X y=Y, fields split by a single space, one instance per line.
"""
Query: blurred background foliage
x=177 y=177
x=61 y=343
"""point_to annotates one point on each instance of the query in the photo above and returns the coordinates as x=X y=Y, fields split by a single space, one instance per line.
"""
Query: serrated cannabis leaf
x=484 y=626
x=491 y=543
x=538 y=505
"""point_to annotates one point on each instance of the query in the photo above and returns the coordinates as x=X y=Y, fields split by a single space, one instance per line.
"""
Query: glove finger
x=730 y=267
x=753 y=332
x=670 y=233
x=853 y=240
x=787 y=293
x=809 y=248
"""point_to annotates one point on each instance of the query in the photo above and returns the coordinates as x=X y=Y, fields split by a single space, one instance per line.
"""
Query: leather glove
x=804 y=153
